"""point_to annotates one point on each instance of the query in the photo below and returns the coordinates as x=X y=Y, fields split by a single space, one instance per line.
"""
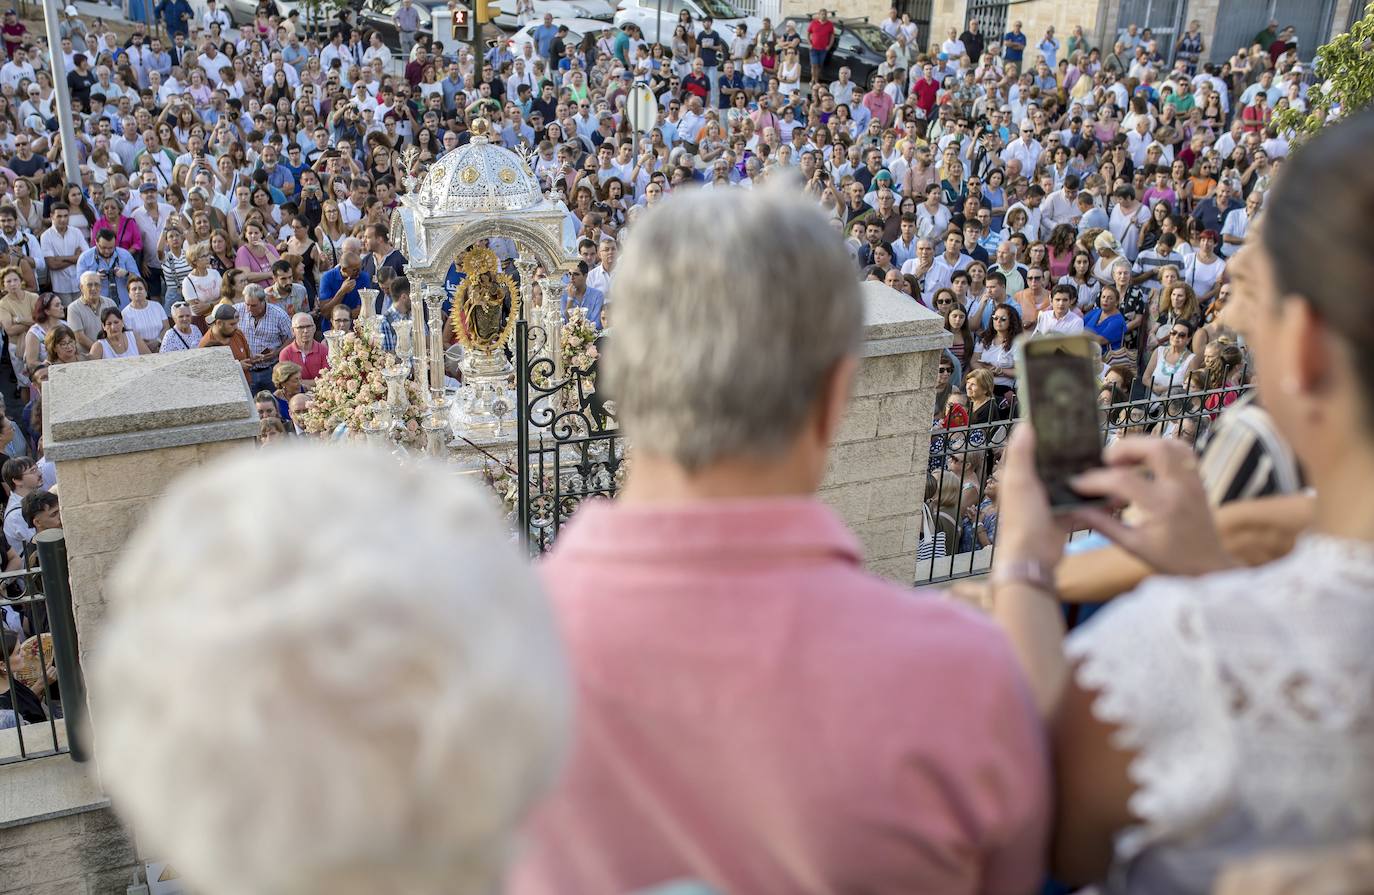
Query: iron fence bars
x=27 y=647
x=959 y=519
x=52 y=560
x=568 y=446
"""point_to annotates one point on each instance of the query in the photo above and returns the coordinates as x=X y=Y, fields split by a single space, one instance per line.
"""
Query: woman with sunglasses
x=996 y=352
x=1170 y=365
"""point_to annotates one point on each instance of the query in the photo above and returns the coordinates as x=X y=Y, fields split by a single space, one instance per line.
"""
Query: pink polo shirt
x=758 y=713
x=311 y=364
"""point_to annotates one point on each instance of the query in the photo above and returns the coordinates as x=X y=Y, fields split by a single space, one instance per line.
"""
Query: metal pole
x=64 y=99
x=57 y=593
x=658 y=35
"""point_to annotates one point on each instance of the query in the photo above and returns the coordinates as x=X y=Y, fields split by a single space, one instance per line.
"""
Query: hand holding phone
x=1056 y=383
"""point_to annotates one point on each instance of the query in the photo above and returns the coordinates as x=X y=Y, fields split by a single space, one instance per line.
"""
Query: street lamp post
x=64 y=97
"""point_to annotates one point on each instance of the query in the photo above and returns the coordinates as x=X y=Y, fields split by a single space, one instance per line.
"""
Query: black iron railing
x=42 y=707
x=960 y=515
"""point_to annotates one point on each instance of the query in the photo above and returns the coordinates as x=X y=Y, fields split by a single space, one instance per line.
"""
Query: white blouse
x=1249 y=698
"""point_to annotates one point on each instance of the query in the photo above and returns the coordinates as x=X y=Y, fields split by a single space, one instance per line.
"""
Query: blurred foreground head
x=326 y=673
x=736 y=315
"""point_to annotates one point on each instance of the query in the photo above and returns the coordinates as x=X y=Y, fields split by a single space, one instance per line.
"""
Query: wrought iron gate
x=991 y=16
x=920 y=12
x=568 y=446
x=1162 y=17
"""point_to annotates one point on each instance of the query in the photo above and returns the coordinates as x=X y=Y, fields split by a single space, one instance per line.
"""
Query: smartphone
x=1056 y=383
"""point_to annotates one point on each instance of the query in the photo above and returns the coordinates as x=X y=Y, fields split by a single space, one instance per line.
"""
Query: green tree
x=1344 y=83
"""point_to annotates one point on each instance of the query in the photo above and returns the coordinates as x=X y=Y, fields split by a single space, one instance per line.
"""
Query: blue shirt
x=1113 y=329
x=593 y=300
x=281 y=178
x=451 y=88
x=331 y=280
x=1013 y=45
x=543 y=37
x=172 y=11
x=115 y=288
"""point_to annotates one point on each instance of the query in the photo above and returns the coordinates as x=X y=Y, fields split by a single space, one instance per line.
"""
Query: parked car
x=380 y=16
x=577 y=29
x=559 y=9
x=859 y=45
x=725 y=14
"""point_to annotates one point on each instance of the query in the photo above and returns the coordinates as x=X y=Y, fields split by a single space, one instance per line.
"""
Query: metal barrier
x=42 y=705
x=959 y=530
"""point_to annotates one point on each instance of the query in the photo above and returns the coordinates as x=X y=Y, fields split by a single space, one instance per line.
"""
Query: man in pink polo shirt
x=755 y=711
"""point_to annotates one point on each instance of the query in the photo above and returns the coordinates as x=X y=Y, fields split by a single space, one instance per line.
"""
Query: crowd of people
x=724 y=700
x=236 y=188
x=1009 y=187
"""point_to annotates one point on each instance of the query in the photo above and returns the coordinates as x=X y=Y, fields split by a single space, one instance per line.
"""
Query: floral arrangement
x=577 y=348
x=347 y=392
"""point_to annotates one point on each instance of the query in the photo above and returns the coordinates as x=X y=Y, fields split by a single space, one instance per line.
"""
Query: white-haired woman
x=315 y=750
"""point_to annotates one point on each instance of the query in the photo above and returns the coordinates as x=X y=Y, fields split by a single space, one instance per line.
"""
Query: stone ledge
x=144 y=403
x=45 y=788
x=104 y=446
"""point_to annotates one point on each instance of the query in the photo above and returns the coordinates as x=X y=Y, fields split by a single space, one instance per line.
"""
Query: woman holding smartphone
x=1220 y=711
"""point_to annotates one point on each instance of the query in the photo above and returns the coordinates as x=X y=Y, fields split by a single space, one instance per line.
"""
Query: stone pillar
x=877 y=471
x=120 y=431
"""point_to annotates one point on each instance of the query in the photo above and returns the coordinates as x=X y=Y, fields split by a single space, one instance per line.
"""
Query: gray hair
x=1119 y=263
x=255 y=291
x=723 y=341
x=393 y=756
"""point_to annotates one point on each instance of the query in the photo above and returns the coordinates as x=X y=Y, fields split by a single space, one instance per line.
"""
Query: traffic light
x=464 y=22
x=483 y=13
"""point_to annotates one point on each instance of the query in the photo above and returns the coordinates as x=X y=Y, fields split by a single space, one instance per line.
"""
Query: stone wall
x=87 y=853
x=120 y=431
x=877 y=470
x=58 y=835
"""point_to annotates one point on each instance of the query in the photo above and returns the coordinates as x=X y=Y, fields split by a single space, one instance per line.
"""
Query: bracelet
x=1028 y=572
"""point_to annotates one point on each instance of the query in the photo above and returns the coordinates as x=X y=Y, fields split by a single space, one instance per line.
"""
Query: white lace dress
x=1250 y=698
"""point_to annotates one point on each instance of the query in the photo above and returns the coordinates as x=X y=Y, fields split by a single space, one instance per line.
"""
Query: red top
x=926 y=91
x=820 y=34
x=311 y=364
x=697 y=86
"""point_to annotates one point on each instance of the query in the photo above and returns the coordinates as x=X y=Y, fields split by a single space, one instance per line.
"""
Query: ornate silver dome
x=480 y=176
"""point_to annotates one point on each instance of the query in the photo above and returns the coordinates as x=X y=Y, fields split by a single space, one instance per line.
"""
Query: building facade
x=1225 y=24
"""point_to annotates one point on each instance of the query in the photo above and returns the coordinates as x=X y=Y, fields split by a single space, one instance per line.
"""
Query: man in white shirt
x=599 y=278
x=1026 y=150
x=16 y=70
x=944 y=266
x=214 y=14
x=1138 y=140
x=213 y=62
x=278 y=63
x=151 y=217
x=351 y=209
x=62 y=246
x=953 y=47
x=376 y=50
x=1060 y=206
x=844 y=89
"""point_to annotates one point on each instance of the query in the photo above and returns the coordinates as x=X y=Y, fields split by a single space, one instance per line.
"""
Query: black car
x=859 y=45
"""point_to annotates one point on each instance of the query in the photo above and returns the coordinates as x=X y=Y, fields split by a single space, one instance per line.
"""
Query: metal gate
x=1164 y=18
x=920 y=12
x=568 y=446
x=992 y=19
x=1238 y=21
